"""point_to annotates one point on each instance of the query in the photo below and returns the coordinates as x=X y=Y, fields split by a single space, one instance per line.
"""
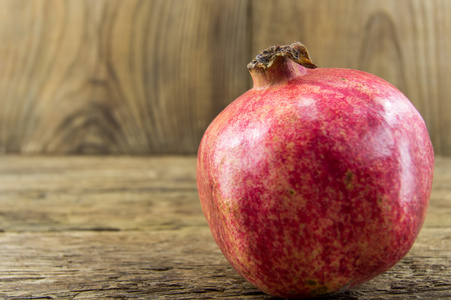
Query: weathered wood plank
x=404 y=42
x=139 y=77
x=180 y=264
x=111 y=193
x=130 y=227
x=111 y=76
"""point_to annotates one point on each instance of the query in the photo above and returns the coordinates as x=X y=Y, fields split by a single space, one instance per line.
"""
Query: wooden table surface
x=132 y=228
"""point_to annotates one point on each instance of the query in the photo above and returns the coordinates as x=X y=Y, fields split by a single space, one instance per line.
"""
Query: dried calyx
x=296 y=52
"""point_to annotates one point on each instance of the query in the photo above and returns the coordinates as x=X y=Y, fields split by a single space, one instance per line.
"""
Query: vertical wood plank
x=123 y=77
x=184 y=53
x=406 y=42
x=140 y=77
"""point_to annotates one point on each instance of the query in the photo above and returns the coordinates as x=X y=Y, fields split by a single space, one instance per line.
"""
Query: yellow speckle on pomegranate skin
x=349 y=178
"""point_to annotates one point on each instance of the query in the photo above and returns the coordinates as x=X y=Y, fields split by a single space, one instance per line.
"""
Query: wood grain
x=117 y=77
x=132 y=228
x=405 y=42
x=147 y=77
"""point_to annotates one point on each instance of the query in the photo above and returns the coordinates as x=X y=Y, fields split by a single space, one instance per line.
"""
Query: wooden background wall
x=147 y=77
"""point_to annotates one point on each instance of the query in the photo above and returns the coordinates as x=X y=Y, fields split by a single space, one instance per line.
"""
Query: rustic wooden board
x=147 y=77
x=132 y=228
x=111 y=76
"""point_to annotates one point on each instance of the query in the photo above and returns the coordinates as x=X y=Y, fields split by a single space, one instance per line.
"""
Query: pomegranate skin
x=315 y=184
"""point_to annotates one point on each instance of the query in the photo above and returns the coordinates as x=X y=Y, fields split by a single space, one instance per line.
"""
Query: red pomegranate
x=316 y=180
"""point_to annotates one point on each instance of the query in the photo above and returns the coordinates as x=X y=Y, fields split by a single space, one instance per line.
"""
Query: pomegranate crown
x=297 y=52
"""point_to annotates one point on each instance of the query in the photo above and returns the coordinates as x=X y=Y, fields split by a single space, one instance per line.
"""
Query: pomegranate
x=315 y=180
